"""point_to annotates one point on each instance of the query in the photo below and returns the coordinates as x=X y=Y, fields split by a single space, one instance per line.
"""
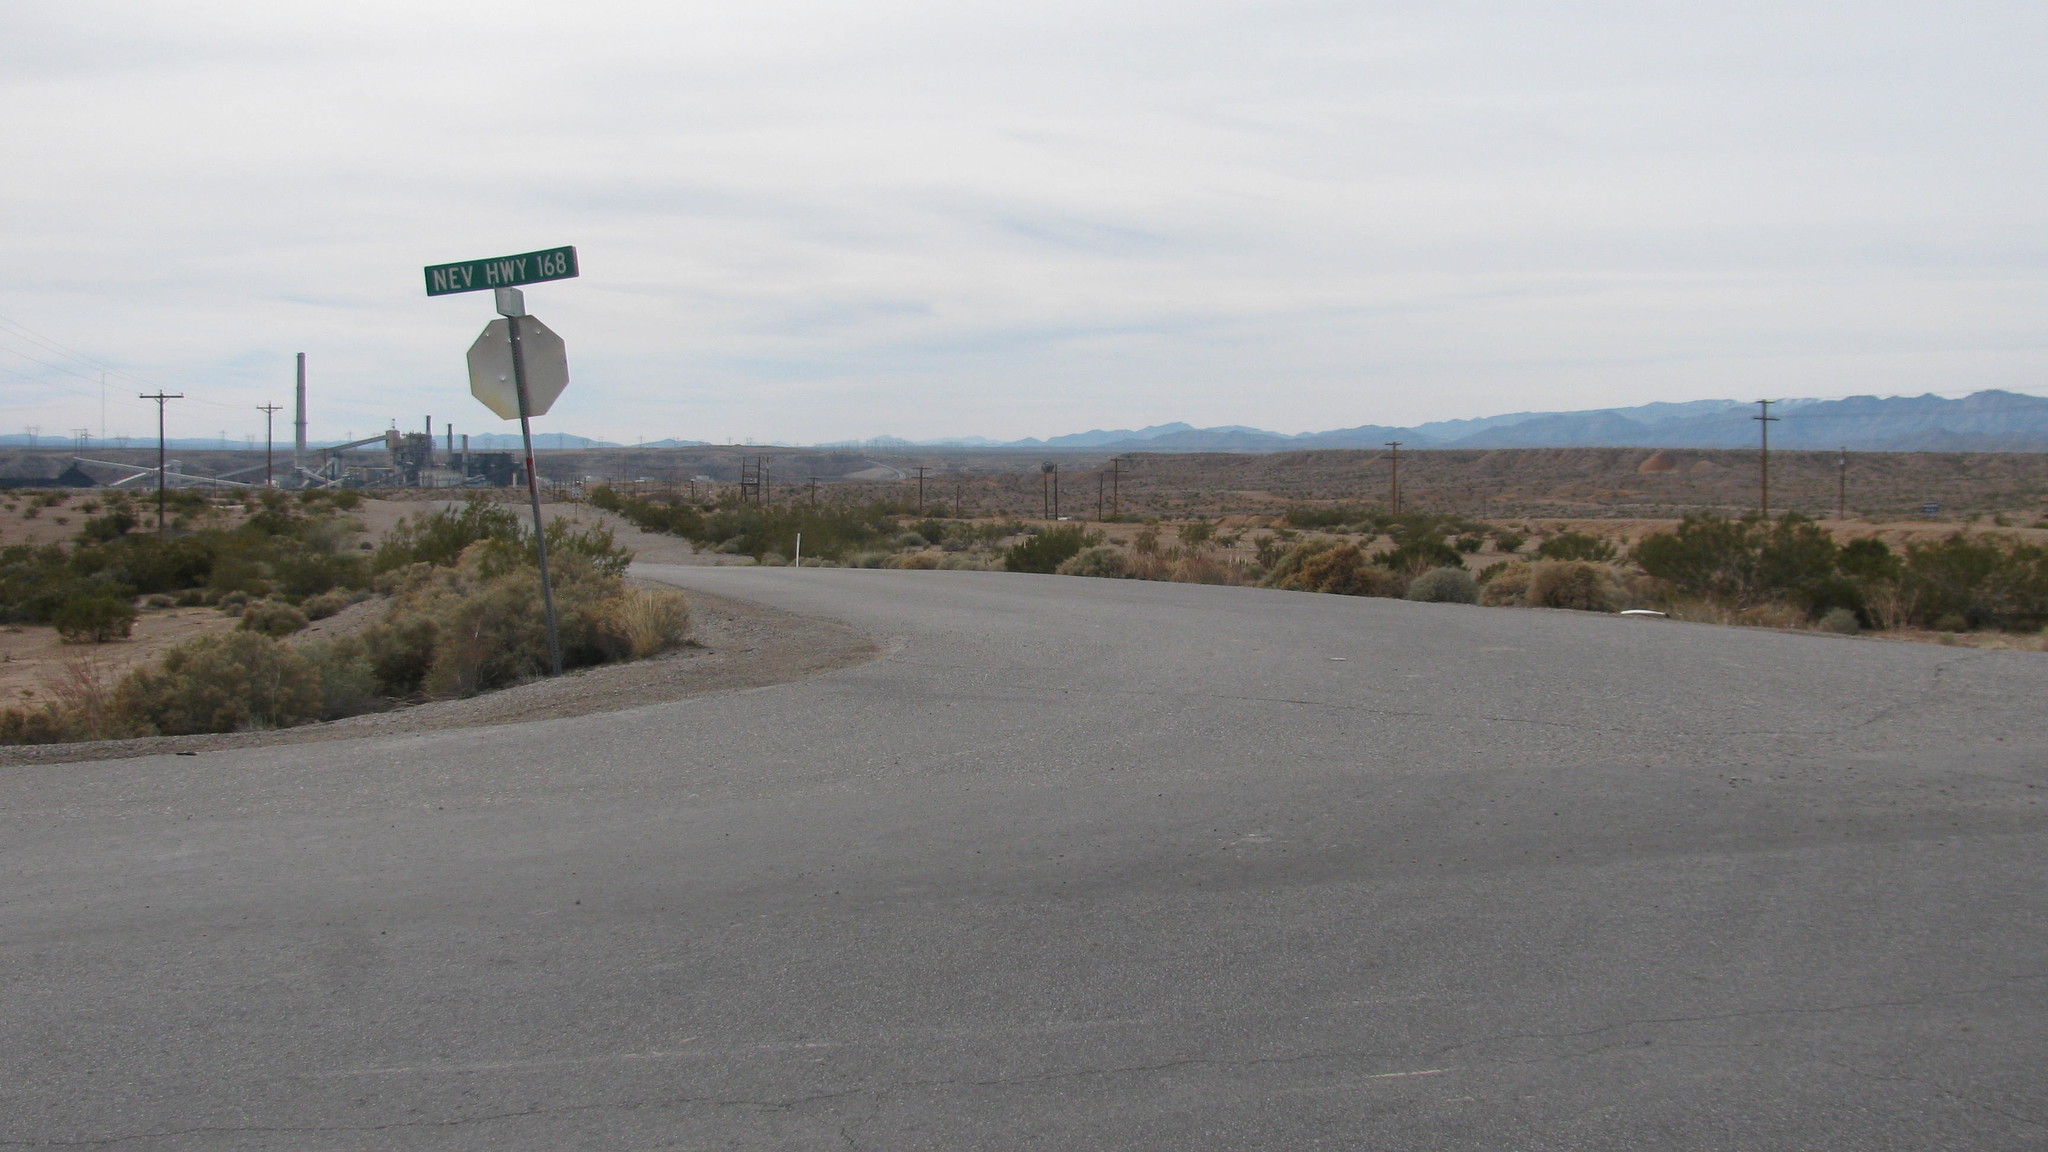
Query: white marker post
x=799 y=550
x=517 y=368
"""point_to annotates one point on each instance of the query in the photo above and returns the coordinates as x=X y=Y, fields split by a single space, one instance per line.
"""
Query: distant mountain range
x=1990 y=421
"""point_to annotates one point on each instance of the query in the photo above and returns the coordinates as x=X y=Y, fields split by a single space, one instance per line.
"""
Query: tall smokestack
x=299 y=439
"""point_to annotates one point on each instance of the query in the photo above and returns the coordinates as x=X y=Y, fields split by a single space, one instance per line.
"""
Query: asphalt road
x=1079 y=864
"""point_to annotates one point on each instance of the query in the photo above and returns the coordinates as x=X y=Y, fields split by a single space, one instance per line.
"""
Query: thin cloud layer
x=802 y=222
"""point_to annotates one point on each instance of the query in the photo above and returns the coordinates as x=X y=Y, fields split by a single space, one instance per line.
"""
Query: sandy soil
x=32 y=655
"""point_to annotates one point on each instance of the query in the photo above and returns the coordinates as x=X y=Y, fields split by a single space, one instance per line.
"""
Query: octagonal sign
x=490 y=367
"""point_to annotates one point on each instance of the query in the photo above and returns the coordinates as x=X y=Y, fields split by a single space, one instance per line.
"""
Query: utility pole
x=1116 y=471
x=920 y=489
x=269 y=411
x=161 y=462
x=1842 y=485
x=1764 y=421
x=1046 y=472
x=1098 y=495
x=1394 y=476
x=814 y=491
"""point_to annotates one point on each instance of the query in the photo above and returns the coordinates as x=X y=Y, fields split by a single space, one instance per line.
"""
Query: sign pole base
x=540 y=534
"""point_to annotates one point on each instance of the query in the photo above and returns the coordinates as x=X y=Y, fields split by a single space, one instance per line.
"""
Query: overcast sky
x=811 y=221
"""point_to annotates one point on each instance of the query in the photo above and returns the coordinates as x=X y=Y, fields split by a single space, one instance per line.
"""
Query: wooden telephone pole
x=161 y=465
x=1394 y=476
x=270 y=412
x=1764 y=421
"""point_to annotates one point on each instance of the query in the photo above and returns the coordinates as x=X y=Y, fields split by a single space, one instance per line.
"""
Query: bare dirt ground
x=32 y=655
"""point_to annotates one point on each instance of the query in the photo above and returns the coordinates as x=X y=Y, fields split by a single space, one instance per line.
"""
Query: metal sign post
x=503 y=351
x=512 y=306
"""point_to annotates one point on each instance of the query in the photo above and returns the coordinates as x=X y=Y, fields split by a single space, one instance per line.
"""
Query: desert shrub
x=920 y=561
x=94 y=619
x=400 y=652
x=1575 y=584
x=480 y=625
x=224 y=683
x=1444 y=586
x=324 y=605
x=440 y=537
x=1268 y=550
x=1746 y=561
x=1507 y=586
x=1982 y=580
x=272 y=618
x=1101 y=560
x=962 y=563
x=232 y=604
x=1325 y=516
x=1048 y=550
x=1840 y=620
x=112 y=526
x=1417 y=555
x=749 y=528
x=868 y=560
x=641 y=622
x=910 y=540
x=1470 y=542
x=1985 y=581
x=1510 y=542
x=159 y=600
x=348 y=679
x=1343 y=570
x=1576 y=546
x=1196 y=534
x=1146 y=542
x=1287 y=565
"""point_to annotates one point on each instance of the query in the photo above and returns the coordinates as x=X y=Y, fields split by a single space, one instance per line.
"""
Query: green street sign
x=501 y=271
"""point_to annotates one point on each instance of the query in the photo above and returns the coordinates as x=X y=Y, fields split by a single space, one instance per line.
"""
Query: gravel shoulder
x=735 y=645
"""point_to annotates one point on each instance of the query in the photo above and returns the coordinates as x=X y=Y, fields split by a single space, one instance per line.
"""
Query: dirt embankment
x=736 y=645
x=733 y=646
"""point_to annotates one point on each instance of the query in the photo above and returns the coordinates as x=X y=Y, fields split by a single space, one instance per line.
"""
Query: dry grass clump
x=80 y=706
x=914 y=561
x=643 y=622
x=1174 y=565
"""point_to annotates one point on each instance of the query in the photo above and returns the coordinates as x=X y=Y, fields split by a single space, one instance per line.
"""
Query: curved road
x=1079 y=864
